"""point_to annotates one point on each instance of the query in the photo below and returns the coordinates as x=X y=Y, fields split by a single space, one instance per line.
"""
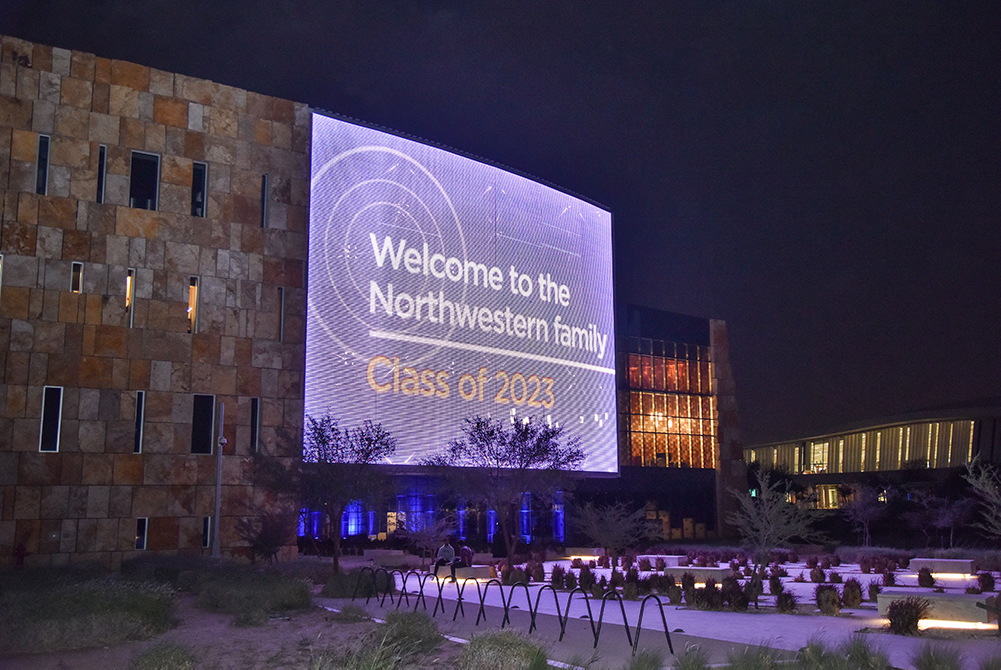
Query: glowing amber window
x=193 y=305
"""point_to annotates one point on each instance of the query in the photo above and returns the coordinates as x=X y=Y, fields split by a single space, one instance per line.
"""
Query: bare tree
x=864 y=509
x=499 y=465
x=986 y=485
x=613 y=527
x=765 y=520
x=426 y=537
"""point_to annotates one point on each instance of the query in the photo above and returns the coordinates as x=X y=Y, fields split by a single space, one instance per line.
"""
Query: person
x=464 y=559
x=445 y=556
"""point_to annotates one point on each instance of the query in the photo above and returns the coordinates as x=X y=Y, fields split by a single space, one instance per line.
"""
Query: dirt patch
x=290 y=641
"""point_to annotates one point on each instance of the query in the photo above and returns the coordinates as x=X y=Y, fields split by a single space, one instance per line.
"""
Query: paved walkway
x=718 y=633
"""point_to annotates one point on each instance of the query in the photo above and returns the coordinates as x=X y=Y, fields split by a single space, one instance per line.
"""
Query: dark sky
x=824 y=176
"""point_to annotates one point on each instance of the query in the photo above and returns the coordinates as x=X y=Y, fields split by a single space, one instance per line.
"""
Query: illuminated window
x=137 y=444
x=51 y=421
x=818 y=456
x=206 y=531
x=130 y=294
x=193 y=305
x=199 y=188
x=142 y=524
x=42 y=166
x=76 y=278
x=144 y=180
x=102 y=172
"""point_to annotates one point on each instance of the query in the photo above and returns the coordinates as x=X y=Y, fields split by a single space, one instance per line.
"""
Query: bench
x=952 y=566
x=700 y=574
x=472 y=572
x=670 y=561
x=944 y=606
x=386 y=558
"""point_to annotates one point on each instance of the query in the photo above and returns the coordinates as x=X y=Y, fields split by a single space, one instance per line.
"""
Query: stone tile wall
x=82 y=502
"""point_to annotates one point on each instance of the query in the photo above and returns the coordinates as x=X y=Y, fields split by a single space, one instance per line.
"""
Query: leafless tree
x=426 y=537
x=498 y=465
x=986 y=484
x=613 y=527
x=766 y=520
x=864 y=509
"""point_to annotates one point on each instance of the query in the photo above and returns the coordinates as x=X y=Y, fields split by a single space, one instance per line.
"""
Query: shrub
x=240 y=592
x=865 y=564
x=412 y=632
x=874 y=590
x=517 y=576
x=851 y=594
x=785 y=602
x=973 y=590
x=986 y=581
x=632 y=576
x=603 y=561
x=577 y=563
x=558 y=577
x=775 y=585
x=695 y=658
x=616 y=579
x=825 y=563
x=709 y=597
x=570 y=581
x=734 y=595
x=858 y=651
x=586 y=578
x=688 y=587
x=817 y=575
x=626 y=561
x=631 y=591
x=779 y=571
x=925 y=578
x=835 y=578
x=538 y=572
x=505 y=649
x=647 y=659
x=660 y=564
x=828 y=599
x=889 y=579
x=603 y=584
x=812 y=562
x=799 y=579
x=673 y=593
x=904 y=615
x=645 y=564
x=164 y=656
x=934 y=657
x=835 y=560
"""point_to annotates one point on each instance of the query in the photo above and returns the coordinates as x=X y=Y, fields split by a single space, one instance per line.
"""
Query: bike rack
x=562 y=616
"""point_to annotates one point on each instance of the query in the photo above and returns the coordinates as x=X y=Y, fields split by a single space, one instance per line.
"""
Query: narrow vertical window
x=142 y=524
x=281 y=314
x=264 y=201
x=137 y=444
x=193 y=305
x=202 y=421
x=42 y=166
x=130 y=294
x=51 y=422
x=255 y=422
x=199 y=188
x=102 y=171
x=144 y=180
x=1 y=274
x=206 y=531
x=76 y=278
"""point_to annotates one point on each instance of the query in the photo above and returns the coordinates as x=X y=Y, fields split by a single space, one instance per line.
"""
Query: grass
x=646 y=660
x=248 y=594
x=49 y=610
x=413 y=632
x=935 y=657
x=164 y=656
x=502 y=650
x=401 y=642
x=350 y=614
x=342 y=585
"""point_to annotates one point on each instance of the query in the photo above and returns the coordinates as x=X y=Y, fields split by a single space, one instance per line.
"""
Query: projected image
x=442 y=288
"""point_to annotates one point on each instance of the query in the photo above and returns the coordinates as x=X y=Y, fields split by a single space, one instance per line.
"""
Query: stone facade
x=83 y=501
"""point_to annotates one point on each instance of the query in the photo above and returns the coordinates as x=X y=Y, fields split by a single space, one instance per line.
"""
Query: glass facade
x=917 y=445
x=667 y=408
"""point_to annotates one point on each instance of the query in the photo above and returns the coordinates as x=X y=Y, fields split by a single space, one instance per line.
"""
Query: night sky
x=824 y=176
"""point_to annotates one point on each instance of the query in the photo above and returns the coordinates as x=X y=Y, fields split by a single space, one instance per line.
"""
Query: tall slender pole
x=216 y=552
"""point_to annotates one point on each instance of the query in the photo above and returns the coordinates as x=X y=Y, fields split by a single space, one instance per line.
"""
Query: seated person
x=463 y=560
x=445 y=556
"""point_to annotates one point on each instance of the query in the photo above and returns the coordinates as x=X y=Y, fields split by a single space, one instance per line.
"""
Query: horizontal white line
x=416 y=339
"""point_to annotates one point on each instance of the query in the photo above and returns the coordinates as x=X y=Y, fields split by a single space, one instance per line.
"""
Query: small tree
x=497 y=465
x=986 y=485
x=426 y=537
x=766 y=520
x=864 y=509
x=613 y=527
x=338 y=468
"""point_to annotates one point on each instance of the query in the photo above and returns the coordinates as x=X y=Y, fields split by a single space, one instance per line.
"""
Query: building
x=152 y=253
x=153 y=309
x=916 y=450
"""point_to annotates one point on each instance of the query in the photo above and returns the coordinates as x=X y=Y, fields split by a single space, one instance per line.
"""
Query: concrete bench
x=957 y=566
x=473 y=572
x=944 y=606
x=700 y=574
x=670 y=561
x=386 y=558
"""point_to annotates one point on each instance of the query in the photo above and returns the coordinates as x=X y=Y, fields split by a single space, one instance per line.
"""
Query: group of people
x=448 y=556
